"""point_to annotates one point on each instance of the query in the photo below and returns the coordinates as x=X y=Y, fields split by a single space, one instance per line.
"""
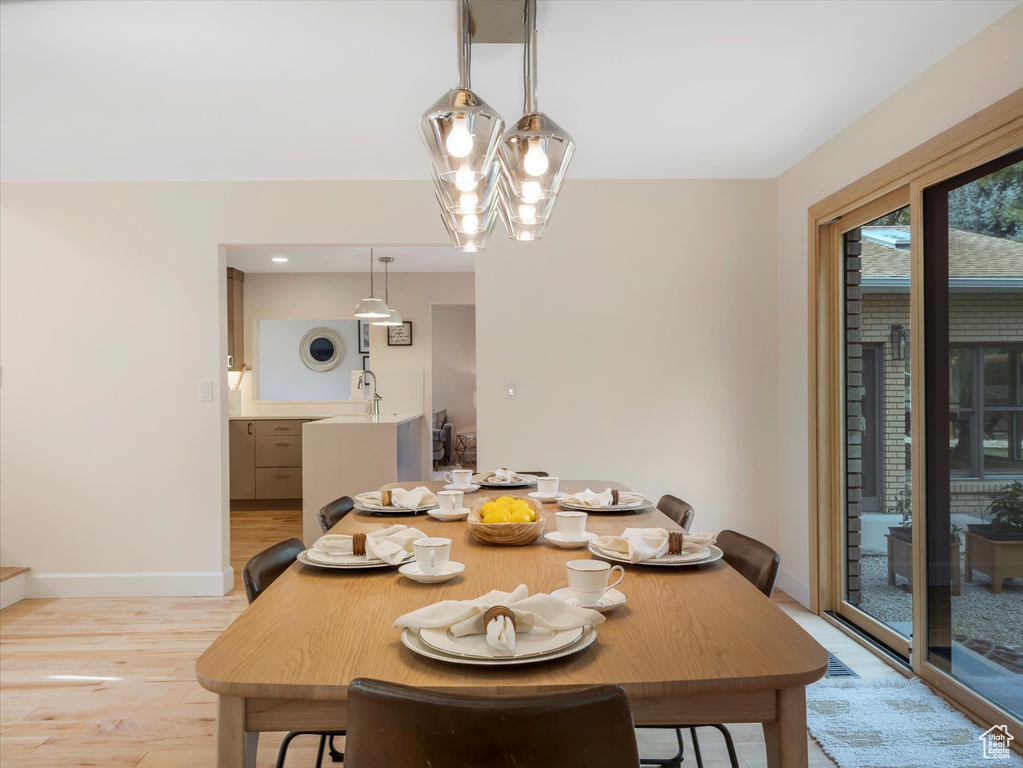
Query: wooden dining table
x=692 y=645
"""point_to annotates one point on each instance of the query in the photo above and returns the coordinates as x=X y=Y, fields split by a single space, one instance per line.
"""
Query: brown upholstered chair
x=331 y=514
x=394 y=726
x=681 y=512
x=757 y=562
x=759 y=565
x=259 y=573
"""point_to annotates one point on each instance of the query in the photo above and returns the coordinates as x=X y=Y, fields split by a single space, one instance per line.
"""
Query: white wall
x=984 y=70
x=454 y=363
x=280 y=373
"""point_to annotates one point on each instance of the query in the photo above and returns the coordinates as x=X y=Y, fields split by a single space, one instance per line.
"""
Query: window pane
x=1003 y=442
x=960 y=443
x=998 y=375
x=960 y=377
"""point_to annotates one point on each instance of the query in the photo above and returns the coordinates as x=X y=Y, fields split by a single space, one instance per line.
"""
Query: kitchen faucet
x=375 y=408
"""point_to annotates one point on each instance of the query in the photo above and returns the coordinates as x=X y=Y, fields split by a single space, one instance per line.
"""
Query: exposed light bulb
x=465 y=179
x=469 y=248
x=467 y=201
x=527 y=214
x=459 y=141
x=531 y=191
x=470 y=223
x=535 y=161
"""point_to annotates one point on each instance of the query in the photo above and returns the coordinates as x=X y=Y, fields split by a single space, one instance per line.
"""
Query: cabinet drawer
x=278 y=428
x=283 y=451
x=279 y=483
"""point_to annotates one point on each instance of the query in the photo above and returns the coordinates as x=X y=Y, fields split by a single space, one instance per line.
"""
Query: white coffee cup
x=588 y=580
x=547 y=486
x=571 y=524
x=432 y=554
x=460 y=478
x=450 y=500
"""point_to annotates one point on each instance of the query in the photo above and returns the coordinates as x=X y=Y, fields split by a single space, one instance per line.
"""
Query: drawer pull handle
x=282 y=429
x=282 y=445
x=282 y=477
x=249 y=428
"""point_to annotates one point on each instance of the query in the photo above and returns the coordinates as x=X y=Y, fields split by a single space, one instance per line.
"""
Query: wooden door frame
x=990 y=133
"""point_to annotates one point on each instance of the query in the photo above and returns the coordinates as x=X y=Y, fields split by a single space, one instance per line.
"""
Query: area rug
x=894 y=723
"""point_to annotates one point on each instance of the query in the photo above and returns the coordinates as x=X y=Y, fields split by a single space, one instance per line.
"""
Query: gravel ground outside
x=976 y=612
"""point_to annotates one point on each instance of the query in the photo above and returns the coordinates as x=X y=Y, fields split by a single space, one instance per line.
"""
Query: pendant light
x=372 y=307
x=534 y=155
x=394 y=318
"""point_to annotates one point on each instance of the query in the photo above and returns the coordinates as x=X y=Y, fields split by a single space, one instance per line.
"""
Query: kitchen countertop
x=355 y=418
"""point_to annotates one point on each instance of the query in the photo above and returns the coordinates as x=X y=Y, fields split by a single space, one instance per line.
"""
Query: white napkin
x=465 y=617
x=388 y=544
x=417 y=497
x=650 y=543
x=502 y=476
x=590 y=498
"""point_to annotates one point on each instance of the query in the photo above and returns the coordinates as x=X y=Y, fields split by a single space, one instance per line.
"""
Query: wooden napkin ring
x=498 y=610
x=385 y=498
x=675 y=539
x=614 y=497
x=358 y=543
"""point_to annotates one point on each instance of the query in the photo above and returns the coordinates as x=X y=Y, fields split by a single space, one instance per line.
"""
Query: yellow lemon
x=496 y=517
x=491 y=506
x=520 y=516
x=520 y=503
x=505 y=501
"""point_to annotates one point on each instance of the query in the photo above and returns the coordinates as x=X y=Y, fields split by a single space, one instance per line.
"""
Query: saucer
x=412 y=571
x=472 y=488
x=544 y=497
x=611 y=599
x=447 y=515
x=555 y=538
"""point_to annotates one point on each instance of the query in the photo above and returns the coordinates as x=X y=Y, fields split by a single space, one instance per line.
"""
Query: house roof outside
x=978 y=262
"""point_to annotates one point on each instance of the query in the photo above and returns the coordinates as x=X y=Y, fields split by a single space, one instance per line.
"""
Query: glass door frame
x=990 y=134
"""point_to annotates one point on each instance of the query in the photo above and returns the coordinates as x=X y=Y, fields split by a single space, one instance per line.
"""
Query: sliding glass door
x=973 y=390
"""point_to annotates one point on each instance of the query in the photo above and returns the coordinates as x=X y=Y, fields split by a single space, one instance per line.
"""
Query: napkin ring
x=358 y=543
x=385 y=498
x=614 y=497
x=498 y=610
x=675 y=542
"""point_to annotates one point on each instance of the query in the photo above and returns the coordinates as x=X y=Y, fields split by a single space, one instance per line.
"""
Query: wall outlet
x=205 y=391
x=511 y=389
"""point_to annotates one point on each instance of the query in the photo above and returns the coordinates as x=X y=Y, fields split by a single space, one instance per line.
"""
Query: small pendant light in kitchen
x=394 y=318
x=372 y=307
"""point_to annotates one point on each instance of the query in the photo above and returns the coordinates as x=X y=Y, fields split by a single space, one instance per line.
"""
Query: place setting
x=588 y=585
x=609 y=500
x=460 y=480
x=504 y=478
x=451 y=506
x=546 y=490
x=571 y=533
x=433 y=563
x=398 y=501
x=657 y=546
x=384 y=548
x=500 y=629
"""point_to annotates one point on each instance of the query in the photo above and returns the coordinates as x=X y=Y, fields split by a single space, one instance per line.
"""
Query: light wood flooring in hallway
x=111 y=682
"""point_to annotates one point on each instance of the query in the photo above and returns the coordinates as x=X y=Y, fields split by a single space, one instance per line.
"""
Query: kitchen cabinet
x=235 y=319
x=266 y=458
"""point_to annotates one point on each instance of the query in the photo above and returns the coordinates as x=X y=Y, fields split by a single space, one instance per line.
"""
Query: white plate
x=694 y=558
x=448 y=515
x=536 y=642
x=558 y=540
x=611 y=599
x=348 y=562
x=412 y=571
x=544 y=497
x=472 y=488
x=527 y=480
x=411 y=639
x=392 y=509
x=616 y=508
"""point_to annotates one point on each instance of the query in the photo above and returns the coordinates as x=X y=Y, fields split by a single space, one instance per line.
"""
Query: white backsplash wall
x=279 y=371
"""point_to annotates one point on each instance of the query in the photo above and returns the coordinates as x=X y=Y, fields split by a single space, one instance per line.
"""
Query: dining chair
x=758 y=564
x=331 y=514
x=259 y=573
x=533 y=473
x=681 y=512
x=395 y=726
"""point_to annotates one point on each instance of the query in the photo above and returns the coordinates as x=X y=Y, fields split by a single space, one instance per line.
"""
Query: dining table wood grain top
x=689 y=634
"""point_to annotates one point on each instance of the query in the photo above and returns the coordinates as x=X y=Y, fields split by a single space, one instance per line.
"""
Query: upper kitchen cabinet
x=235 y=319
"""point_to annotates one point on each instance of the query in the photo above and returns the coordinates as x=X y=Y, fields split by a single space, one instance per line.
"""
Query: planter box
x=900 y=559
x=988 y=533
x=998 y=558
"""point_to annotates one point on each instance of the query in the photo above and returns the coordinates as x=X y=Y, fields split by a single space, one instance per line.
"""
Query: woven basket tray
x=505 y=534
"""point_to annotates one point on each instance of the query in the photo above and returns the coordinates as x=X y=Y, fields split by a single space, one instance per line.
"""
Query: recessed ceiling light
x=280 y=259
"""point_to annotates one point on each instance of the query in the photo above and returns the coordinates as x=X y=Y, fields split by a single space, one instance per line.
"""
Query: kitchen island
x=346 y=455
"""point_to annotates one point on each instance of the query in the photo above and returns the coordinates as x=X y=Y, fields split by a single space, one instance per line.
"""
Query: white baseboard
x=793 y=586
x=173 y=584
x=12 y=590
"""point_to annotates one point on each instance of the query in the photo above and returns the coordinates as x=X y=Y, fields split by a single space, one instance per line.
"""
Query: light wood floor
x=110 y=682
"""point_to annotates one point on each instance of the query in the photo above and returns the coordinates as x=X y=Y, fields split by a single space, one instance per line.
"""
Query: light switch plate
x=205 y=391
x=511 y=389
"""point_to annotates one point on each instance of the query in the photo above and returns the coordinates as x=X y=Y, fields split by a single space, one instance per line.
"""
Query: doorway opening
x=454 y=387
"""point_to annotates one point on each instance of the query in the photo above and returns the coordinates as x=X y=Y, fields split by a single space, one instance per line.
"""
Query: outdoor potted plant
x=1006 y=510
x=904 y=508
x=900 y=550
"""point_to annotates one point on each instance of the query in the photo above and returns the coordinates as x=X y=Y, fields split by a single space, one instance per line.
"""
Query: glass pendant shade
x=535 y=155
x=479 y=198
x=462 y=133
x=469 y=232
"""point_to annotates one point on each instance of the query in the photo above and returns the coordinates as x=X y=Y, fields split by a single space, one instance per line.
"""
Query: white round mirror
x=322 y=349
